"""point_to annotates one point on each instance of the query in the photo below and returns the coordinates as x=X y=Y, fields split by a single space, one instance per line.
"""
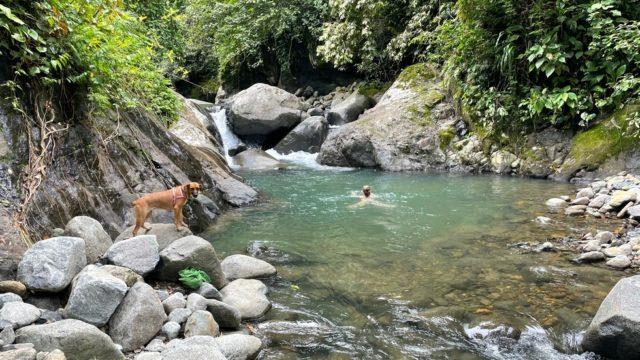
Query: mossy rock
x=418 y=74
x=446 y=136
x=371 y=89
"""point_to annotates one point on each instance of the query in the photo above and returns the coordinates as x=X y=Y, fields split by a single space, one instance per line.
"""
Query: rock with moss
x=349 y=109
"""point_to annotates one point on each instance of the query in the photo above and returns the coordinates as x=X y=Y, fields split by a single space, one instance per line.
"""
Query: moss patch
x=445 y=136
x=372 y=89
x=417 y=74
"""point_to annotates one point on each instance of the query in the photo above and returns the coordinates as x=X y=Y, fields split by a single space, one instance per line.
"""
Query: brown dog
x=172 y=199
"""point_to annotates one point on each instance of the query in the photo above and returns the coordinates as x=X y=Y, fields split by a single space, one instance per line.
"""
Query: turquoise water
x=440 y=273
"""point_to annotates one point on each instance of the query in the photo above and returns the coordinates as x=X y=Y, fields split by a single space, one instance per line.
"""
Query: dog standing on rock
x=173 y=199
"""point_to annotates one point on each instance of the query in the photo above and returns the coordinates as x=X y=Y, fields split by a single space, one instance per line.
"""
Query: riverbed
x=446 y=268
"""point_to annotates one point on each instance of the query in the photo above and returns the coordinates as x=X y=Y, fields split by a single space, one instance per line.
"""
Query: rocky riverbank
x=82 y=296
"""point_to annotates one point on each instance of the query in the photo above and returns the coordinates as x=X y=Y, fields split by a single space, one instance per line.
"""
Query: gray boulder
x=138 y=318
x=248 y=296
x=257 y=160
x=349 y=109
x=19 y=314
x=501 y=161
x=96 y=240
x=599 y=201
x=9 y=297
x=174 y=301
x=77 y=339
x=239 y=346
x=180 y=315
x=227 y=316
x=171 y=330
x=193 y=348
x=556 y=204
x=140 y=254
x=125 y=274
x=50 y=265
x=196 y=302
x=615 y=329
x=246 y=267
x=21 y=353
x=7 y=336
x=591 y=256
x=263 y=109
x=604 y=237
x=94 y=297
x=575 y=210
x=165 y=234
x=620 y=197
x=619 y=262
x=307 y=136
x=201 y=323
x=209 y=291
x=191 y=251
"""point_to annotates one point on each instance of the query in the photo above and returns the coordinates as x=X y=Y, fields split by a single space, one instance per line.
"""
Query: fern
x=193 y=278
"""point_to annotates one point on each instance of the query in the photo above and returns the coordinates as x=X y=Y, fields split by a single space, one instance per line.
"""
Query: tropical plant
x=193 y=278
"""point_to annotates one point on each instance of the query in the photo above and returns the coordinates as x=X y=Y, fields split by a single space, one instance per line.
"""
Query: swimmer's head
x=366 y=190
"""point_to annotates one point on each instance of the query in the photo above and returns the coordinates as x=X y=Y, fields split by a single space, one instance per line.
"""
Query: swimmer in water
x=368 y=198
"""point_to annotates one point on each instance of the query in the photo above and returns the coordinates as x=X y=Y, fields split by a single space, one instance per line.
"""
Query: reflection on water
x=437 y=276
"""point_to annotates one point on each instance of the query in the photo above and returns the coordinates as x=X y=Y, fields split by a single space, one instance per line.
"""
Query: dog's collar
x=174 y=197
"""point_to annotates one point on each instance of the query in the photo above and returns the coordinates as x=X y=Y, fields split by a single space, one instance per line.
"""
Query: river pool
x=440 y=273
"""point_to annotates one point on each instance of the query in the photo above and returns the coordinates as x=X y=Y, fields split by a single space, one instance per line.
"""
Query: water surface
x=443 y=274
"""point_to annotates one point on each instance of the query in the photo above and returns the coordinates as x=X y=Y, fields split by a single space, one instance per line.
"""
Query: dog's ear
x=186 y=189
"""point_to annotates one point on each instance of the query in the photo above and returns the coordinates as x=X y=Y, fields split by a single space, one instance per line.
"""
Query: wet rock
x=591 y=256
x=209 y=291
x=193 y=348
x=174 y=301
x=191 y=251
x=581 y=201
x=599 y=201
x=257 y=160
x=96 y=240
x=138 y=318
x=10 y=286
x=165 y=234
x=201 y=323
x=575 y=210
x=246 y=267
x=139 y=254
x=615 y=329
x=239 y=346
x=50 y=265
x=227 y=316
x=604 y=237
x=543 y=220
x=171 y=330
x=9 y=297
x=620 y=198
x=586 y=192
x=619 y=262
x=180 y=315
x=248 y=296
x=501 y=161
x=556 y=204
x=307 y=136
x=349 y=109
x=94 y=297
x=125 y=274
x=19 y=314
x=77 y=339
x=196 y=302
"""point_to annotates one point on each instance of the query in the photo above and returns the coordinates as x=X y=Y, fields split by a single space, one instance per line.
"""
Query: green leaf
x=10 y=15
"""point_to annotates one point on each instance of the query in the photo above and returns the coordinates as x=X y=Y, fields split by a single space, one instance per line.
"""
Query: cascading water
x=229 y=139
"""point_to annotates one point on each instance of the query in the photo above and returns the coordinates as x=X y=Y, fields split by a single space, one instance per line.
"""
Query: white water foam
x=229 y=139
x=305 y=160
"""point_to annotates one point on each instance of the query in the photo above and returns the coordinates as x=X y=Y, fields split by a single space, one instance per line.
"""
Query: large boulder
x=501 y=161
x=50 y=265
x=615 y=329
x=165 y=234
x=246 y=267
x=248 y=296
x=227 y=316
x=94 y=297
x=193 y=348
x=201 y=323
x=125 y=274
x=263 y=109
x=96 y=240
x=191 y=251
x=239 y=346
x=257 y=159
x=9 y=297
x=19 y=314
x=307 y=136
x=349 y=109
x=77 y=339
x=140 y=254
x=138 y=318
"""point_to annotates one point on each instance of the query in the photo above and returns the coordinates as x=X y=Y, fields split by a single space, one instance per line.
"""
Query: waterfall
x=229 y=139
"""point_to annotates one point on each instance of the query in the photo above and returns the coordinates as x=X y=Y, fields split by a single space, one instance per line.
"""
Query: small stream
x=441 y=274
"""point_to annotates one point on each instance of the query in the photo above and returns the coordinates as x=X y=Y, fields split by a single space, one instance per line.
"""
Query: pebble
x=619 y=262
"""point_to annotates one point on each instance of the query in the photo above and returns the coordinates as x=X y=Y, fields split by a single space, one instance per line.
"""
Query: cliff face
x=101 y=165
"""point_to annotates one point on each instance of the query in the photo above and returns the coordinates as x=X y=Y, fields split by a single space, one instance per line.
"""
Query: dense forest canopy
x=513 y=65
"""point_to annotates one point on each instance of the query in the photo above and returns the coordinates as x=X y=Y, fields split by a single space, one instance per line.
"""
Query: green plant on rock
x=193 y=278
x=446 y=135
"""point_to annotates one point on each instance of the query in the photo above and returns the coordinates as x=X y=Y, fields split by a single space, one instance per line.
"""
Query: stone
x=634 y=212
x=598 y=185
x=501 y=161
x=19 y=314
x=581 y=201
x=125 y=274
x=171 y=330
x=591 y=245
x=7 y=336
x=255 y=159
x=599 y=201
x=543 y=220
x=586 y=192
x=617 y=250
x=316 y=111
x=591 y=256
x=11 y=286
x=248 y=296
x=48 y=316
x=156 y=345
x=27 y=353
x=148 y=356
x=94 y=297
x=201 y=323
x=56 y=354
x=620 y=198
x=96 y=240
x=615 y=329
x=174 y=301
x=546 y=247
x=191 y=251
x=193 y=348
x=9 y=297
x=349 y=109
x=77 y=339
x=162 y=294
x=556 y=204
x=575 y=210
x=180 y=315
x=619 y=262
x=140 y=254
x=209 y=291
x=165 y=234
x=239 y=346
x=47 y=301
x=246 y=267
x=263 y=110
x=138 y=318
x=196 y=302
x=227 y=316
x=604 y=237
x=50 y=265
x=307 y=136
